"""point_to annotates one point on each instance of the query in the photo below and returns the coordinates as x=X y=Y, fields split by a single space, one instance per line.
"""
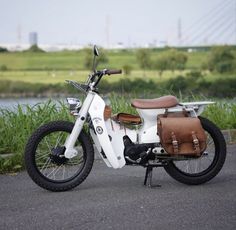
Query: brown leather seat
x=156 y=103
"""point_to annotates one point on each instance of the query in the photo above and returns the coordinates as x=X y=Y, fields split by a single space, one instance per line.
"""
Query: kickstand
x=148 y=178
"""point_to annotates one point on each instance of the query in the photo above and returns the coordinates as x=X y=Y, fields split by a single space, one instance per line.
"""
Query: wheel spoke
x=210 y=143
x=58 y=139
x=46 y=164
x=53 y=172
x=49 y=148
x=41 y=156
x=63 y=172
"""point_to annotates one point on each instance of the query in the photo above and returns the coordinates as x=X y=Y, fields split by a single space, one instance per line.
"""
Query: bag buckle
x=175 y=143
x=196 y=143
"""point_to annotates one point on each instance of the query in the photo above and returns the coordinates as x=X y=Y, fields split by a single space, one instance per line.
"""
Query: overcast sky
x=106 y=22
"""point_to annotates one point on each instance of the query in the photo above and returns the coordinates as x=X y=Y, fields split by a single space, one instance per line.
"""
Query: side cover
x=96 y=112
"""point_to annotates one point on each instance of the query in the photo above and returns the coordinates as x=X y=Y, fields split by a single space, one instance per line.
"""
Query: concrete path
x=116 y=199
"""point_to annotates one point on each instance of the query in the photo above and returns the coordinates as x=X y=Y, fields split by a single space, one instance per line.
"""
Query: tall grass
x=17 y=125
x=223 y=114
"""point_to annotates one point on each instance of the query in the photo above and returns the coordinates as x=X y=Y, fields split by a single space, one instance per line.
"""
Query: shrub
x=221 y=59
x=3 y=67
x=3 y=50
x=177 y=84
x=127 y=69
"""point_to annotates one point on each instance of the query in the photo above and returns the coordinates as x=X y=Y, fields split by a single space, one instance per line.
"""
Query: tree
x=170 y=60
x=176 y=59
x=35 y=49
x=161 y=64
x=180 y=59
x=221 y=59
x=3 y=50
x=144 y=58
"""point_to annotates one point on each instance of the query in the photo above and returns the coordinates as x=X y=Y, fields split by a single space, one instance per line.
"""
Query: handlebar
x=94 y=79
x=100 y=74
x=113 y=71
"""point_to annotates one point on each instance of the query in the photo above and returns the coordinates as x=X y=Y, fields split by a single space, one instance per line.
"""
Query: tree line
x=220 y=59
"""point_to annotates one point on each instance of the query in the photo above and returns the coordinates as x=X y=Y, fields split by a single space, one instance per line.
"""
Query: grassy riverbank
x=192 y=83
x=74 y=60
x=183 y=70
x=17 y=125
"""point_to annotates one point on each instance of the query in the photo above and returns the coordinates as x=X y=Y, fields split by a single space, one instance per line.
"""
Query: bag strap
x=174 y=143
x=184 y=112
x=196 y=143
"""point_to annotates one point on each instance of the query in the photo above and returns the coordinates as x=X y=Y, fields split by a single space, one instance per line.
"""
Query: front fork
x=70 y=151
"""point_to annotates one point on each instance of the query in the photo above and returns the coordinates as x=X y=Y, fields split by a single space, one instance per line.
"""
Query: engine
x=140 y=153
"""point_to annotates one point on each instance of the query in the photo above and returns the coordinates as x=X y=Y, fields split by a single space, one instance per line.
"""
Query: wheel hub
x=57 y=155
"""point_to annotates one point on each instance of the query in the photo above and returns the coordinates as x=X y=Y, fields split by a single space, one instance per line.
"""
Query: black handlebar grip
x=113 y=71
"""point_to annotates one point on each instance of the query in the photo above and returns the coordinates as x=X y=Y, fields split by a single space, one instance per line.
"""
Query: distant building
x=33 y=38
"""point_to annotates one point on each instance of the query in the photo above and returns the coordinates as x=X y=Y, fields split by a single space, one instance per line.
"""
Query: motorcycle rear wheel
x=200 y=170
x=45 y=161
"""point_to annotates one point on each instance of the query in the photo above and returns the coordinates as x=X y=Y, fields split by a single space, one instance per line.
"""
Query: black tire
x=218 y=159
x=39 y=170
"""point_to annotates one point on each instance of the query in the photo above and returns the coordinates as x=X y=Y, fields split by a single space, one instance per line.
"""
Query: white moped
x=59 y=155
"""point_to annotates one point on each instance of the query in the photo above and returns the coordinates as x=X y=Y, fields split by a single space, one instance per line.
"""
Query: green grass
x=17 y=125
x=74 y=60
x=223 y=114
x=45 y=77
x=53 y=77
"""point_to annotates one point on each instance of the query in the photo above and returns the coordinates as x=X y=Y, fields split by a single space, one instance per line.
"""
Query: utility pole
x=179 y=32
x=108 y=31
x=235 y=19
x=19 y=35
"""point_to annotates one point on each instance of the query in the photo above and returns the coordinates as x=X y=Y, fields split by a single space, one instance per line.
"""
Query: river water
x=11 y=103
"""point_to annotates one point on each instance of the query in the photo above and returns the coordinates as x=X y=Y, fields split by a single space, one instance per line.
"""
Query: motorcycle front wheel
x=45 y=161
x=200 y=170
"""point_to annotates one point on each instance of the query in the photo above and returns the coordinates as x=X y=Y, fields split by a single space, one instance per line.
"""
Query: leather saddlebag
x=129 y=119
x=181 y=135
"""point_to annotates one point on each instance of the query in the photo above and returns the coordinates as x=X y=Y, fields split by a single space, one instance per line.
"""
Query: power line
x=222 y=32
x=210 y=24
x=207 y=16
x=213 y=26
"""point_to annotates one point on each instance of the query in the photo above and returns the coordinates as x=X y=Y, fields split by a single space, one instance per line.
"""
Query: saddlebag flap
x=181 y=135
